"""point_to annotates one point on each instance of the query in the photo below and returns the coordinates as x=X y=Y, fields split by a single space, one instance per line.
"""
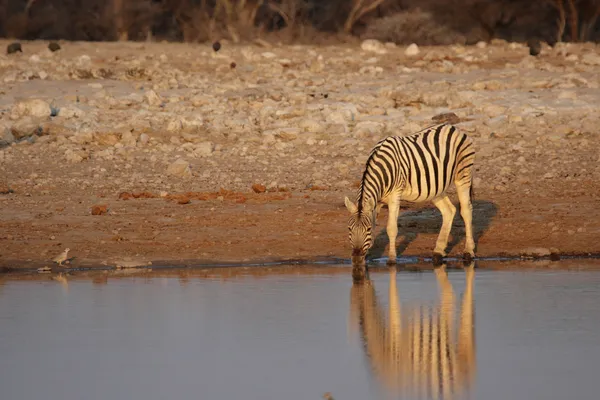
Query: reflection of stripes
x=419 y=352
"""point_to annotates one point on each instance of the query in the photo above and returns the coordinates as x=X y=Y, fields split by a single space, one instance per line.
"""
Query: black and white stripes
x=420 y=167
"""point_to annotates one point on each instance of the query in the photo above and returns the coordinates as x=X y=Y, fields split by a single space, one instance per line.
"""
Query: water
x=298 y=332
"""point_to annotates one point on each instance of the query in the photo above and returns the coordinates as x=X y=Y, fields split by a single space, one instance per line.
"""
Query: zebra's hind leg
x=466 y=212
x=448 y=211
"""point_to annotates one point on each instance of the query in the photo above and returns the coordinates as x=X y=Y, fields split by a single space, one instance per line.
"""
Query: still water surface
x=467 y=333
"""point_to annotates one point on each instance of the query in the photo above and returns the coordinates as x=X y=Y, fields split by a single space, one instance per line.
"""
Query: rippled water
x=298 y=333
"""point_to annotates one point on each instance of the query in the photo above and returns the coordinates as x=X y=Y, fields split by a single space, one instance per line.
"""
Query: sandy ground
x=297 y=120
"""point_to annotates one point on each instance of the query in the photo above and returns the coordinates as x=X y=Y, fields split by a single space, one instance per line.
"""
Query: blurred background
x=425 y=22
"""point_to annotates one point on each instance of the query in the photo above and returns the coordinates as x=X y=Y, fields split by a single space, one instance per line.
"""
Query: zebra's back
x=421 y=165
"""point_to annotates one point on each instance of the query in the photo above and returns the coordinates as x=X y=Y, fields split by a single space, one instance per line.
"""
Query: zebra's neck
x=365 y=201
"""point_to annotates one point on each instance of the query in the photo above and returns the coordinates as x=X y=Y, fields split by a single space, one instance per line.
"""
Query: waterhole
x=490 y=330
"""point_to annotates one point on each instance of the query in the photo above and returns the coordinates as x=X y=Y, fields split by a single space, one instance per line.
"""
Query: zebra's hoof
x=467 y=257
x=391 y=262
x=438 y=259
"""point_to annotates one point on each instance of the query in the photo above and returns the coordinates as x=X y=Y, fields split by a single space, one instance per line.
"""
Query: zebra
x=416 y=168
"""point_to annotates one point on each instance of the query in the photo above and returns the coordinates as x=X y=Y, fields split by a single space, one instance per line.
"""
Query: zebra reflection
x=418 y=352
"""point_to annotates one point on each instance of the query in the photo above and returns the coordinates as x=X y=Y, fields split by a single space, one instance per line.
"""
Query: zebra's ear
x=350 y=205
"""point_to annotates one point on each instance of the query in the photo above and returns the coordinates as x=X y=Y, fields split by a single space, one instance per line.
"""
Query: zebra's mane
x=361 y=190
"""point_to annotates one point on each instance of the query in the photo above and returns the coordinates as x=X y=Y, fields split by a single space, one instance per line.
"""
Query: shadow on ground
x=429 y=221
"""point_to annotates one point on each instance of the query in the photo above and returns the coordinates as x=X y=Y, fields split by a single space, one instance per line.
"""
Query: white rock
x=128 y=139
x=374 y=46
x=84 y=60
x=144 y=138
x=412 y=50
x=591 y=58
x=82 y=137
x=25 y=127
x=31 y=107
x=311 y=125
x=73 y=157
x=34 y=58
x=536 y=252
x=6 y=136
x=180 y=168
x=71 y=112
x=204 y=149
x=152 y=98
x=268 y=55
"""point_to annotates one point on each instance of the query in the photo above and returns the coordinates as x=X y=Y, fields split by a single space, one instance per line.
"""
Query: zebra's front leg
x=448 y=211
x=392 y=228
x=466 y=212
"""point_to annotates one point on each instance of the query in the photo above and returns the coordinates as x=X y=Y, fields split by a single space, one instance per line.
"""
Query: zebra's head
x=361 y=227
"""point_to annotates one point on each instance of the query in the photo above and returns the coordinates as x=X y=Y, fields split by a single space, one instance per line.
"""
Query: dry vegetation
x=401 y=21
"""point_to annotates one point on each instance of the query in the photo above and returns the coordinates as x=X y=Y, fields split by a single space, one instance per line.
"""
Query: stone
x=258 y=188
x=591 y=58
x=71 y=112
x=6 y=136
x=106 y=138
x=32 y=107
x=99 y=209
x=26 y=127
x=204 y=149
x=311 y=125
x=412 y=50
x=535 y=252
x=180 y=168
x=449 y=118
x=152 y=98
x=14 y=48
x=373 y=46
x=74 y=156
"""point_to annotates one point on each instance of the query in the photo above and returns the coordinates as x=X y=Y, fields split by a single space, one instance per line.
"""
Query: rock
x=71 y=112
x=82 y=137
x=4 y=188
x=14 y=48
x=311 y=125
x=258 y=188
x=412 y=50
x=535 y=47
x=591 y=58
x=143 y=139
x=449 y=118
x=34 y=58
x=26 y=127
x=494 y=110
x=84 y=60
x=536 y=252
x=106 y=138
x=204 y=149
x=287 y=134
x=32 y=107
x=366 y=129
x=128 y=139
x=75 y=156
x=152 y=98
x=6 y=136
x=180 y=168
x=53 y=46
x=99 y=209
x=200 y=100
x=374 y=46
